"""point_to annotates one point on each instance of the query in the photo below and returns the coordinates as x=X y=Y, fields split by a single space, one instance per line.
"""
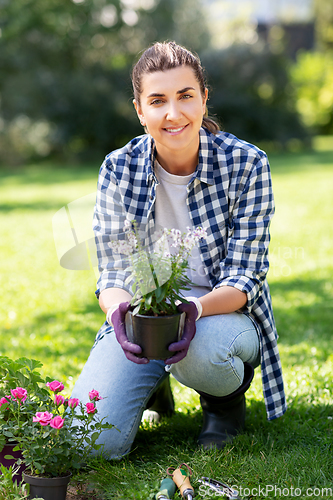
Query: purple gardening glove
x=182 y=346
x=130 y=349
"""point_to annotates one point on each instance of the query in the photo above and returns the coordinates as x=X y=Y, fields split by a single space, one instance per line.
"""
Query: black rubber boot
x=224 y=417
x=161 y=403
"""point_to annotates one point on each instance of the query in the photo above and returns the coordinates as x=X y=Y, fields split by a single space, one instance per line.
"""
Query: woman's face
x=172 y=108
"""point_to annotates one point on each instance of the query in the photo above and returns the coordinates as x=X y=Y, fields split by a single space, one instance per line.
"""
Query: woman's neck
x=178 y=165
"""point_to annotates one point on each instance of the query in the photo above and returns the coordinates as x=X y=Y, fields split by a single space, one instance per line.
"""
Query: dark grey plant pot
x=154 y=333
x=48 y=488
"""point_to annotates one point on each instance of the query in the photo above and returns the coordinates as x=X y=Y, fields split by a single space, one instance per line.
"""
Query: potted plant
x=18 y=378
x=157 y=276
x=56 y=441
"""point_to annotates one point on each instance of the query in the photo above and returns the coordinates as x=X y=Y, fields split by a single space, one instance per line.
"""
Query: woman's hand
x=118 y=321
x=182 y=346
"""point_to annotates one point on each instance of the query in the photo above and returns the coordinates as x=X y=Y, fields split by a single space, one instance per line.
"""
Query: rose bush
x=21 y=390
x=59 y=436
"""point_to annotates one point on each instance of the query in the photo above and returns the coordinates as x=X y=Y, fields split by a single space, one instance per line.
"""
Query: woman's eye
x=156 y=101
x=186 y=96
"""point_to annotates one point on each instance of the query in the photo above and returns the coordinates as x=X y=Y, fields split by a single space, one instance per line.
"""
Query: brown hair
x=169 y=55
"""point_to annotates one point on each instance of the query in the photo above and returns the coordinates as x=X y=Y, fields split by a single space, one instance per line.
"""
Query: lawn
x=51 y=314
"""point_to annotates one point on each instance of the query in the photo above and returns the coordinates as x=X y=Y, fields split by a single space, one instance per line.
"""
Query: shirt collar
x=204 y=170
x=150 y=158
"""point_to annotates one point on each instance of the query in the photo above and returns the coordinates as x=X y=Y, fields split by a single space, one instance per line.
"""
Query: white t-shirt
x=171 y=211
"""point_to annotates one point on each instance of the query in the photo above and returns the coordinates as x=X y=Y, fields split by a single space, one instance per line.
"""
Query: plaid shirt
x=230 y=195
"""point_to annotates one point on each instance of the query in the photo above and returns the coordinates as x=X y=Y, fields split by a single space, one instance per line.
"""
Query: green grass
x=51 y=314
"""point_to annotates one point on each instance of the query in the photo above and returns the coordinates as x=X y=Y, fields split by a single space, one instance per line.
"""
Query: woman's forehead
x=170 y=80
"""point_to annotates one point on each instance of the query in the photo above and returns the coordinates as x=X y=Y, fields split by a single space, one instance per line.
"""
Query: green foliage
x=250 y=94
x=9 y=489
x=324 y=24
x=312 y=77
x=23 y=372
x=65 y=80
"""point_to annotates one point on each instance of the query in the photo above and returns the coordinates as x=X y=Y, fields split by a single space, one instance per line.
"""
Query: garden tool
x=220 y=488
x=167 y=489
x=181 y=477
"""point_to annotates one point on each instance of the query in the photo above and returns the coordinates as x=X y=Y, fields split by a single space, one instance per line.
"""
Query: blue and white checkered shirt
x=230 y=195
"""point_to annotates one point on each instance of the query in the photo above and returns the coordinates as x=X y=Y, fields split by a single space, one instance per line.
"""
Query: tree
x=251 y=94
x=324 y=24
x=65 y=66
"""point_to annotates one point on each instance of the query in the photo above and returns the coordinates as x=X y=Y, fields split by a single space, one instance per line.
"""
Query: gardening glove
x=117 y=320
x=193 y=312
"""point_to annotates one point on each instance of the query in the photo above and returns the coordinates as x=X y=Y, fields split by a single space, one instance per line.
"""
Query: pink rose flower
x=43 y=417
x=91 y=408
x=94 y=395
x=73 y=402
x=57 y=422
x=55 y=386
x=59 y=399
x=3 y=401
x=19 y=394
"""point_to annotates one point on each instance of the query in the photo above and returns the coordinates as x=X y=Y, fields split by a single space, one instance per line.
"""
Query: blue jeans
x=214 y=364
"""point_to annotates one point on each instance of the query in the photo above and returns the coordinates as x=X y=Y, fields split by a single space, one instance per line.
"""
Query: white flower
x=121 y=246
x=127 y=225
x=199 y=233
x=132 y=240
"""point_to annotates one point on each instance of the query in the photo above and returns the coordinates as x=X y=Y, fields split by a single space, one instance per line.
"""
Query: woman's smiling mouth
x=175 y=130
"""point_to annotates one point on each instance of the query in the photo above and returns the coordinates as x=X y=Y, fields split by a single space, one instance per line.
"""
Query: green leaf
x=128 y=280
x=95 y=436
x=7 y=433
x=136 y=310
x=159 y=294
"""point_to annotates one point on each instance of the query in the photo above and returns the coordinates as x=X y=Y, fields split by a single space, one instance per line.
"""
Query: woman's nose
x=173 y=112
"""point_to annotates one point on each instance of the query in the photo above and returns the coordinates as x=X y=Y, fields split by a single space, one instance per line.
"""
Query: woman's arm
x=111 y=296
x=223 y=300
x=251 y=209
x=243 y=263
x=108 y=226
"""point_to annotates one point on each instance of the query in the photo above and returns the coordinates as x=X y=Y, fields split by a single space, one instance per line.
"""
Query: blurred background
x=65 y=66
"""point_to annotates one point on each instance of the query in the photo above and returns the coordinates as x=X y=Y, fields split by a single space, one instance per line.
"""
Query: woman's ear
x=139 y=113
x=204 y=100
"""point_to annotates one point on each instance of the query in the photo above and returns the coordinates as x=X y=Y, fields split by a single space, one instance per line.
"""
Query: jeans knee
x=113 y=447
x=215 y=360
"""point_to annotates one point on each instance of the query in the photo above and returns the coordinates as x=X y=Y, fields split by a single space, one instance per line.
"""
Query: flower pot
x=8 y=450
x=154 y=333
x=48 y=488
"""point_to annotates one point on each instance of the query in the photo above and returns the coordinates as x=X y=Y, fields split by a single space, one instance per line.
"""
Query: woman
x=185 y=172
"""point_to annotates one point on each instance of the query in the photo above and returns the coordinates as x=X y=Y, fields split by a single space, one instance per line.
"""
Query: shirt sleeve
x=108 y=224
x=246 y=263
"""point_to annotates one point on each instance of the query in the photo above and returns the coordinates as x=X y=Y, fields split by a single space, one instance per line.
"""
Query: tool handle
x=167 y=489
x=182 y=480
